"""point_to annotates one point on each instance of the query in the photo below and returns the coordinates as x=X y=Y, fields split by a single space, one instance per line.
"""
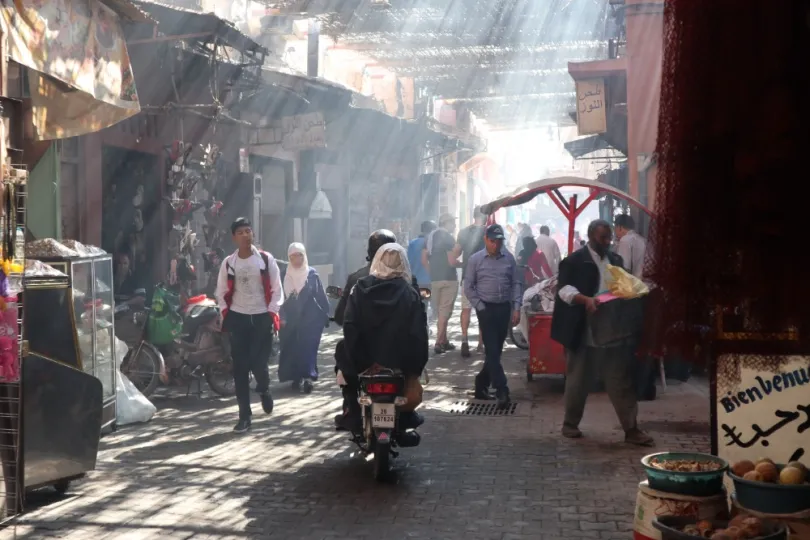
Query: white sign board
x=763 y=408
x=591 y=107
x=303 y=131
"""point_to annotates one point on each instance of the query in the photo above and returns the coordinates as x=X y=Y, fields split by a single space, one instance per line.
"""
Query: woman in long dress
x=304 y=315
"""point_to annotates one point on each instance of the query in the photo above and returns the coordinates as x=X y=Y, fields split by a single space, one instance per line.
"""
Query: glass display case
x=91 y=281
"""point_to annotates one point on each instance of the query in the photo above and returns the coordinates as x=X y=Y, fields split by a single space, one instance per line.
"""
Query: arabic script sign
x=303 y=131
x=591 y=107
x=763 y=407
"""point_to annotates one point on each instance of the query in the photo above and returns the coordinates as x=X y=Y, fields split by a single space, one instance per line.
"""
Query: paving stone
x=185 y=475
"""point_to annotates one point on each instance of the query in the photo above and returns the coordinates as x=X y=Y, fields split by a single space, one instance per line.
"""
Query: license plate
x=383 y=415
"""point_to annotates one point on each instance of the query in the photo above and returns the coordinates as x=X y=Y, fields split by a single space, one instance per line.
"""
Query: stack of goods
x=742 y=527
x=12 y=189
x=773 y=491
x=686 y=485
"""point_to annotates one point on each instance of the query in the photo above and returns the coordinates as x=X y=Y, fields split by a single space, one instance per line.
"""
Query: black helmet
x=428 y=227
x=378 y=239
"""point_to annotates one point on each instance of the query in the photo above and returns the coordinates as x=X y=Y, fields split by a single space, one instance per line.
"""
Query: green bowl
x=699 y=484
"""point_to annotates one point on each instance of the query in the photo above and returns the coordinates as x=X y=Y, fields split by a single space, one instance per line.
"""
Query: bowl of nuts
x=742 y=527
x=685 y=473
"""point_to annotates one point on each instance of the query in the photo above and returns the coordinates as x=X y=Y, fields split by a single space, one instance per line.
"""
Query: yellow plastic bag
x=624 y=285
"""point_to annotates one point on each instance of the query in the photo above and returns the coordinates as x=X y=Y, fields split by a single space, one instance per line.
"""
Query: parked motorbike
x=201 y=350
x=384 y=426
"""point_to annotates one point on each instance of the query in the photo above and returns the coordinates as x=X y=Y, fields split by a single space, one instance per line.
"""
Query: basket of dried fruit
x=741 y=527
x=770 y=488
x=686 y=473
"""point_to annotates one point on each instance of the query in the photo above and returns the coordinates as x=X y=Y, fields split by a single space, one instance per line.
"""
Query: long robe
x=304 y=315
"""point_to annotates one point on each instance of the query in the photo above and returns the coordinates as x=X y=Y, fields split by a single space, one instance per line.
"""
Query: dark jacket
x=569 y=322
x=385 y=323
x=340 y=310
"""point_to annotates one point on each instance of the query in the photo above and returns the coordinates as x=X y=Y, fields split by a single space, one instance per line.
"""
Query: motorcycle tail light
x=381 y=388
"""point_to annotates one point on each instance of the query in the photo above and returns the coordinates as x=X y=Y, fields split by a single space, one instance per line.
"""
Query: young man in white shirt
x=249 y=294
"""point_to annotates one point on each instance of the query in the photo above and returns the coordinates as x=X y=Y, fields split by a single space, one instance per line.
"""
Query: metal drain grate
x=475 y=408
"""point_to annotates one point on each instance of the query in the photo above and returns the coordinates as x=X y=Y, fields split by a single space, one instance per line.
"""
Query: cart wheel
x=62 y=487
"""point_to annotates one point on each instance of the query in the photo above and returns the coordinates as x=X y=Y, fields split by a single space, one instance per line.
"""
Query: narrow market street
x=186 y=475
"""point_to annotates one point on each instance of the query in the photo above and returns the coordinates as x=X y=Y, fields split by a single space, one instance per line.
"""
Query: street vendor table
x=546 y=356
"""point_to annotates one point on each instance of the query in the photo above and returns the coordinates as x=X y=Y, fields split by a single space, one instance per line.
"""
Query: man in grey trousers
x=581 y=279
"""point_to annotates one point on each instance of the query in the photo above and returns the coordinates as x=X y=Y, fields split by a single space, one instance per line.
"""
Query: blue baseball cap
x=495 y=232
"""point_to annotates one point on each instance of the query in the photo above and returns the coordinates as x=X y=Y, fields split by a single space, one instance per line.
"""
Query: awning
x=91 y=86
x=528 y=192
x=588 y=145
x=179 y=23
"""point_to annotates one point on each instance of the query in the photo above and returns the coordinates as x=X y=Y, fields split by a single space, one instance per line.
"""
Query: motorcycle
x=384 y=426
x=201 y=350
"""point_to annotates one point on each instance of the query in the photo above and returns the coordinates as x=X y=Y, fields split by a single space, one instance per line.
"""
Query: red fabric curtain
x=731 y=201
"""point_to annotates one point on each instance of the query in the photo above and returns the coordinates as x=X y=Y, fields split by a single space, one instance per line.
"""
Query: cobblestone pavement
x=185 y=475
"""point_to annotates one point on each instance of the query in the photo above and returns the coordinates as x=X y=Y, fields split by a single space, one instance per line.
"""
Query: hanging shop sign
x=762 y=407
x=303 y=131
x=591 y=107
x=78 y=43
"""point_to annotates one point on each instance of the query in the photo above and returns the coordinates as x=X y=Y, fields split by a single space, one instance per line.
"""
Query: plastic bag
x=624 y=285
x=413 y=393
x=132 y=407
x=164 y=323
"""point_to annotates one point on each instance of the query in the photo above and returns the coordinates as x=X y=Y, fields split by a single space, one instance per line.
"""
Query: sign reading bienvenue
x=763 y=407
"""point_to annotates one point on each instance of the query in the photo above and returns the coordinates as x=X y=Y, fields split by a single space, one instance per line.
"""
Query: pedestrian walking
x=583 y=276
x=632 y=247
x=415 y=249
x=537 y=268
x=471 y=240
x=493 y=287
x=440 y=256
x=304 y=315
x=249 y=294
x=549 y=247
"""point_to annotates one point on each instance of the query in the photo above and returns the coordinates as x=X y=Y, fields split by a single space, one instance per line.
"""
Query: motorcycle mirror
x=424 y=292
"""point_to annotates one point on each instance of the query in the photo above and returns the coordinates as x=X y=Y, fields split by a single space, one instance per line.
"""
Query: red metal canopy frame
x=569 y=208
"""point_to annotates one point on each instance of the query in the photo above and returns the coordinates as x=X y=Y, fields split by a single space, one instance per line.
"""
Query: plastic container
x=672 y=528
x=546 y=356
x=703 y=484
x=771 y=498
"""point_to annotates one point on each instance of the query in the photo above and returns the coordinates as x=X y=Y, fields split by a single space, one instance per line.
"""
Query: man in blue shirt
x=415 y=248
x=493 y=287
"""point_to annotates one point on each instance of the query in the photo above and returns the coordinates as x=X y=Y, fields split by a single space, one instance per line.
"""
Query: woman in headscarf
x=537 y=267
x=304 y=315
x=385 y=322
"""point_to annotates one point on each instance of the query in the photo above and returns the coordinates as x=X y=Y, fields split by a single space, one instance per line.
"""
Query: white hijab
x=296 y=278
x=391 y=261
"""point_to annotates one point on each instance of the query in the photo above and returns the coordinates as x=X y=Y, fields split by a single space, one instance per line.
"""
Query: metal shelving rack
x=11 y=448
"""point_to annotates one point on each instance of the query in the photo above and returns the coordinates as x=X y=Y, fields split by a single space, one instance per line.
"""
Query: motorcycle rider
x=376 y=240
x=385 y=324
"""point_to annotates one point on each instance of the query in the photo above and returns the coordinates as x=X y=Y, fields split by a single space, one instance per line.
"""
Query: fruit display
x=685 y=465
x=739 y=528
x=771 y=488
x=742 y=527
x=766 y=471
